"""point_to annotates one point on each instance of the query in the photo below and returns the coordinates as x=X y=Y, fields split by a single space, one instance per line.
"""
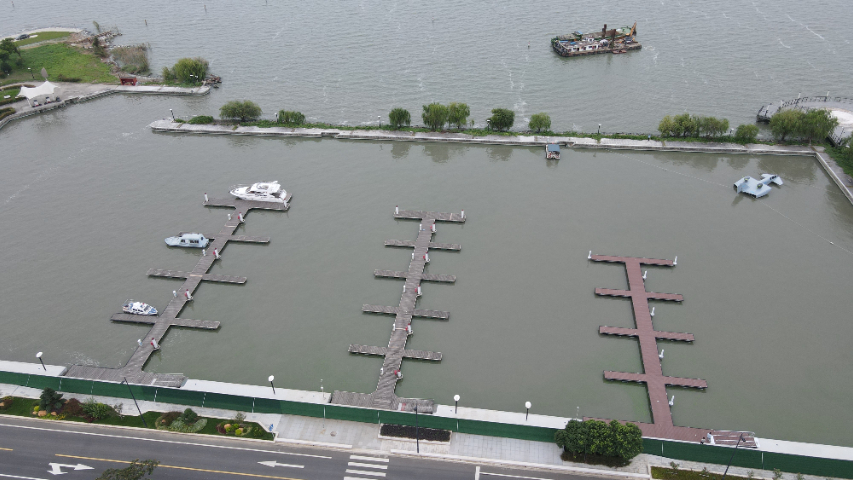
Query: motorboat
x=261 y=191
x=138 y=308
x=552 y=151
x=190 y=240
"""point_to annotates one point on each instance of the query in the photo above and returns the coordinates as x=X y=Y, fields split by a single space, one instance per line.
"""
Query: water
x=89 y=193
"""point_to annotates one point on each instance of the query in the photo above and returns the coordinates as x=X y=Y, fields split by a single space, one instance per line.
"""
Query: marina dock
x=384 y=396
x=656 y=382
x=160 y=324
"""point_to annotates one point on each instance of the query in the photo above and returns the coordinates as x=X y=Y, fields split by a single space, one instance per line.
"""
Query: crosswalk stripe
x=364 y=472
x=368 y=465
x=369 y=459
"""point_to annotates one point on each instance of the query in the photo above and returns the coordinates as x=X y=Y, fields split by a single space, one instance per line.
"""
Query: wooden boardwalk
x=160 y=324
x=656 y=382
x=384 y=396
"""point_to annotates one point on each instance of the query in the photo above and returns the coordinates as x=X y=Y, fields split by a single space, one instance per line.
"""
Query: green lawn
x=59 y=59
x=12 y=92
x=42 y=36
x=671 y=474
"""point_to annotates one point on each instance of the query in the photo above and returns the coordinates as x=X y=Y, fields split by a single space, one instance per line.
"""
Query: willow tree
x=434 y=116
x=399 y=117
x=457 y=114
x=244 y=111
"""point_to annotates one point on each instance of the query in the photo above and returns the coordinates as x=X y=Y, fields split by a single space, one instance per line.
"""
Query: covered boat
x=138 y=308
x=757 y=188
x=191 y=240
x=552 y=151
x=261 y=191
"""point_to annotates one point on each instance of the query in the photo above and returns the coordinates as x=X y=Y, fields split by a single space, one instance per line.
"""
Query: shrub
x=243 y=111
x=73 y=408
x=167 y=418
x=179 y=426
x=539 y=121
x=135 y=471
x=96 y=410
x=434 y=116
x=201 y=120
x=6 y=402
x=290 y=118
x=746 y=133
x=5 y=112
x=502 y=119
x=817 y=124
x=188 y=417
x=666 y=126
x=786 y=122
x=63 y=78
x=5 y=67
x=399 y=117
x=133 y=58
x=457 y=114
x=190 y=70
x=50 y=400
x=168 y=74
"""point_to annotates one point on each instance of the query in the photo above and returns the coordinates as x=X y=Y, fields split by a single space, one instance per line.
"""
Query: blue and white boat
x=138 y=308
x=190 y=240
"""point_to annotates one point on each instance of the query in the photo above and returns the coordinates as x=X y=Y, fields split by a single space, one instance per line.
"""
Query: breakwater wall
x=87 y=92
x=823 y=460
x=833 y=170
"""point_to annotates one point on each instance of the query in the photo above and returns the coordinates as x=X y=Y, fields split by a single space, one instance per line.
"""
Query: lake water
x=89 y=193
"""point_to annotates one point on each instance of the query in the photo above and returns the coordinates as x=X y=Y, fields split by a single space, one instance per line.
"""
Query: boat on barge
x=616 y=40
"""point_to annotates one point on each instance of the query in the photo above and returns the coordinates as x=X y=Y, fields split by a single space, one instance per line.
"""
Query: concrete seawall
x=82 y=92
x=832 y=169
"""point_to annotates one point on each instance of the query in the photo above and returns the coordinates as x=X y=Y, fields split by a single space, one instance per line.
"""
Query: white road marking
x=512 y=476
x=477 y=473
x=369 y=459
x=164 y=441
x=56 y=468
x=273 y=463
x=363 y=472
x=368 y=465
x=19 y=477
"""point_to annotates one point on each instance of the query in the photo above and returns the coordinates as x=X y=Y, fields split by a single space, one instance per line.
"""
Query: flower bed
x=408 y=431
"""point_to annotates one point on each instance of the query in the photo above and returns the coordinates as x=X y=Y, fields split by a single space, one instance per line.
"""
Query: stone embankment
x=843 y=181
x=71 y=93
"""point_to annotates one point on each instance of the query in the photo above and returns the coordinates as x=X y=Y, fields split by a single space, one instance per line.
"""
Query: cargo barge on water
x=616 y=40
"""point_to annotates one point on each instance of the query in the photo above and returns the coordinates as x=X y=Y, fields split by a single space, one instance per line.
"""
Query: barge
x=616 y=40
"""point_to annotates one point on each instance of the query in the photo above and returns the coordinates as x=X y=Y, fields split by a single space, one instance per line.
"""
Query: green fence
x=748 y=458
x=745 y=458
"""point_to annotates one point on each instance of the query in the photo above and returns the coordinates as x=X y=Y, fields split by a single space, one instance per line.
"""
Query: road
x=42 y=450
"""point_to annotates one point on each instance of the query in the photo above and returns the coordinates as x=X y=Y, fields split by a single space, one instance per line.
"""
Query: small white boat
x=757 y=188
x=138 y=308
x=191 y=240
x=261 y=191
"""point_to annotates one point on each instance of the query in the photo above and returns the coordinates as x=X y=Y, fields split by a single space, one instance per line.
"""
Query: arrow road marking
x=273 y=463
x=223 y=472
x=57 y=468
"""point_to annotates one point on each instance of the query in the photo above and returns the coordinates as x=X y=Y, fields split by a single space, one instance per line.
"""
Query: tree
x=786 y=122
x=457 y=114
x=540 y=121
x=190 y=70
x=665 y=126
x=290 y=118
x=746 y=133
x=573 y=437
x=5 y=67
x=434 y=116
x=684 y=125
x=136 y=471
x=8 y=46
x=817 y=124
x=502 y=119
x=243 y=111
x=50 y=400
x=598 y=438
x=627 y=440
x=399 y=117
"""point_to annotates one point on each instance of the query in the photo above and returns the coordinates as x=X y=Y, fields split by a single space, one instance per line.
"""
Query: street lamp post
x=527 y=405
x=417 y=431
x=272 y=377
x=38 y=355
x=31 y=73
x=134 y=401
x=380 y=120
x=456 y=407
x=488 y=124
x=599 y=129
x=173 y=114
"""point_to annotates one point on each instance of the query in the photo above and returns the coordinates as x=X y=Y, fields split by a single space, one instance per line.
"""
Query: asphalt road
x=39 y=450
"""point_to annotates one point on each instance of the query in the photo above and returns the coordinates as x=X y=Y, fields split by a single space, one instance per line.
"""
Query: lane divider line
x=224 y=472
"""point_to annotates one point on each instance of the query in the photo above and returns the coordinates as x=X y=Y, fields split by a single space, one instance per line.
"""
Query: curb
x=512 y=463
x=308 y=443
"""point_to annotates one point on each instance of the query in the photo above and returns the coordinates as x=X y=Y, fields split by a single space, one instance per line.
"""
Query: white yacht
x=138 y=308
x=261 y=191
x=191 y=240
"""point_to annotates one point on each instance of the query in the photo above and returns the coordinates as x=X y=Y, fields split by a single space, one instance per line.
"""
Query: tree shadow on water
x=400 y=150
x=499 y=153
x=442 y=152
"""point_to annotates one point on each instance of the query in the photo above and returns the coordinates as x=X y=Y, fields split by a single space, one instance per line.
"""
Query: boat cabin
x=552 y=151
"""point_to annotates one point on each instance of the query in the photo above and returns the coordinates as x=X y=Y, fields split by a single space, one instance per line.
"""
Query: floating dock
x=384 y=397
x=656 y=382
x=160 y=324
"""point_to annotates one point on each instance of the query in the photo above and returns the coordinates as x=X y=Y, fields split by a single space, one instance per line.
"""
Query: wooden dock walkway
x=384 y=396
x=160 y=324
x=656 y=382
